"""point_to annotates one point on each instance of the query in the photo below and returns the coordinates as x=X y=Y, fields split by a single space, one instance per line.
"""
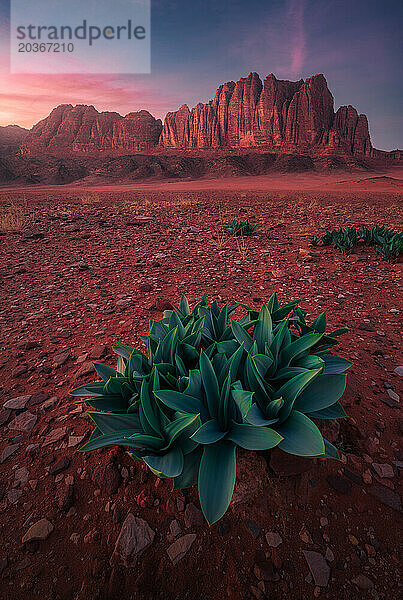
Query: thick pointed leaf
x=110 y=422
x=292 y=389
x=256 y=417
x=241 y=335
x=210 y=384
x=335 y=411
x=108 y=403
x=104 y=371
x=330 y=450
x=295 y=349
x=89 y=389
x=263 y=329
x=190 y=471
x=208 y=433
x=243 y=400
x=301 y=436
x=174 y=429
x=181 y=402
x=118 y=438
x=217 y=479
x=253 y=437
x=321 y=393
x=319 y=323
x=167 y=465
x=335 y=364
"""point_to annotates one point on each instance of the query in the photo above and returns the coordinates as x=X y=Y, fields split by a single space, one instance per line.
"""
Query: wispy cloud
x=295 y=15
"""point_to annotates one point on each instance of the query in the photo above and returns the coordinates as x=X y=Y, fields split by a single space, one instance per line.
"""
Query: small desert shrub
x=243 y=228
x=209 y=384
x=14 y=216
x=314 y=240
x=387 y=242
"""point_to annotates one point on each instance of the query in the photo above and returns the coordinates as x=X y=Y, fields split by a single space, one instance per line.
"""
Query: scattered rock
x=40 y=530
x=193 y=517
x=393 y=395
x=134 y=537
x=386 y=496
x=399 y=370
x=23 y=422
x=318 y=566
x=8 y=451
x=85 y=369
x=363 y=582
x=273 y=539
x=180 y=547
x=55 y=436
x=60 y=465
x=18 y=403
x=383 y=470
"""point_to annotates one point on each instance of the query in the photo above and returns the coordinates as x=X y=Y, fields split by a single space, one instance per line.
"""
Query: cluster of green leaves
x=387 y=242
x=209 y=384
x=243 y=228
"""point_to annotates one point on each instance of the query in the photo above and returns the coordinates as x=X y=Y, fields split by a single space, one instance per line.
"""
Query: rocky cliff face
x=82 y=129
x=274 y=115
x=11 y=138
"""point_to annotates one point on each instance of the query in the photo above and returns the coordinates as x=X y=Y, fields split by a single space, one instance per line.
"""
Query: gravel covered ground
x=85 y=269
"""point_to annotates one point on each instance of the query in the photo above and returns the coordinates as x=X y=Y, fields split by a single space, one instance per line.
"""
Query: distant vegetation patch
x=388 y=243
x=242 y=228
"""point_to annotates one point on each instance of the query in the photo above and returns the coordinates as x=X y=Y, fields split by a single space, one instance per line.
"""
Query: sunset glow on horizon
x=356 y=48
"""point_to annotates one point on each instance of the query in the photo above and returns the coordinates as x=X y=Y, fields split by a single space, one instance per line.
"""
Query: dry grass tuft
x=14 y=215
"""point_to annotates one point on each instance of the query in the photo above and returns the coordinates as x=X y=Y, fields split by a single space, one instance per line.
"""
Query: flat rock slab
x=318 y=566
x=8 y=451
x=178 y=549
x=134 y=537
x=38 y=531
x=386 y=496
x=23 y=422
x=18 y=403
x=55 y=436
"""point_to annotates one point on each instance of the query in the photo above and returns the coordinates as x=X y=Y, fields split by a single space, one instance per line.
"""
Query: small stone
x=175 y=528
x=38 y=531
x=305 y=536
x=23 y=422
x=383 y=470
x=60 y=465
x=8 y=451
x=393 y=395
x=134 y=538
x=273 y=539
x=363 y=582
x=180 y=547
x=86 y=369
x=21 y=477
x=253 y=528
x=74 y=440
x=55 y=436
x=386 y=496
x=14 y=495
x=389 y=402
x=21 y=370
x=353 y=540
x=145 y=287
x=18 y=403
x=193 y=517
x=318 y=566
x=38 y=398
x=329 y=555
x=399 y=370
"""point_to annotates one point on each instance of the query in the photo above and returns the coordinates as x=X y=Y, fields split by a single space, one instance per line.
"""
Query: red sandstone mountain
x=11 y=137
x=82 y=129
x=273 y=115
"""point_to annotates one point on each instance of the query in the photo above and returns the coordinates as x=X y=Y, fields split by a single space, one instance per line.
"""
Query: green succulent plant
x=210 y=383
x=388 y=243
x=314 y=240
x=243 y=228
